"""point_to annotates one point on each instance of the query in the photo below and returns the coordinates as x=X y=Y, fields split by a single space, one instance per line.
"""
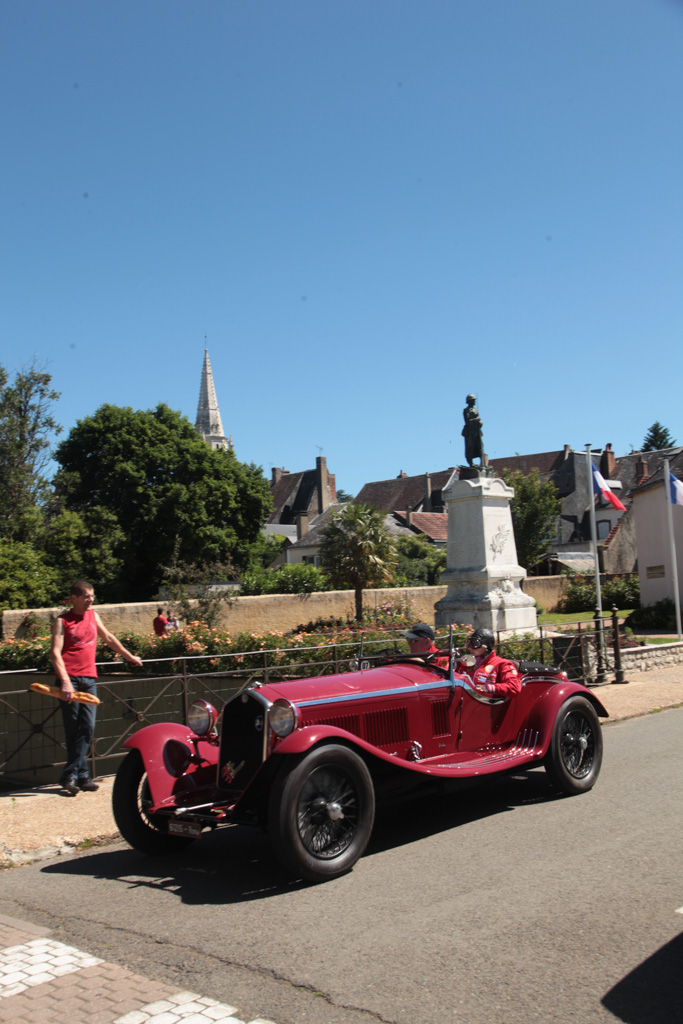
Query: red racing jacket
x=442 y=662
x=496 y=676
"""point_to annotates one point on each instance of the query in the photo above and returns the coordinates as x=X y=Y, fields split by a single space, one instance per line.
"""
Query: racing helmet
x=482 y=638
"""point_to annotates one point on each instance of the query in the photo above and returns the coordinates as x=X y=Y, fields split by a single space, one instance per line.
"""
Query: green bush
x=210 y=645
x=622 y=591
x=287 y=579
x=660 y=616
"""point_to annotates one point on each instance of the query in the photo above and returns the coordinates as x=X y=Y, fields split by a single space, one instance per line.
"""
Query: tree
x=343 y=496
x=420 y=563
x=26 y=581
x=357 y=550
x=78 y=546
x=26 y=425
x=657 y=438
x=173 y=499
x=534 y=509
x=194 y=593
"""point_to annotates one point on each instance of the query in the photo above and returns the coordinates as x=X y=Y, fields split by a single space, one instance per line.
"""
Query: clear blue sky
x=369 y=208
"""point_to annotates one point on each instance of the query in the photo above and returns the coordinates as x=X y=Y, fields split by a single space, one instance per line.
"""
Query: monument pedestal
x=482 y=573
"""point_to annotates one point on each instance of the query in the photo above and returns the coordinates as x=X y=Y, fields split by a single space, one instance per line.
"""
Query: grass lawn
x=548 y=618
x=567 y=618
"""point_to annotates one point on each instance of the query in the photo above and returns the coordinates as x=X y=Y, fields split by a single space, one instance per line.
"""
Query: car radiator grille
x=242 y=742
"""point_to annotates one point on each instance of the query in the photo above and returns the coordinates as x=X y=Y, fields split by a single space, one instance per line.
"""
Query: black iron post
x=597 y=619
x=616 y=641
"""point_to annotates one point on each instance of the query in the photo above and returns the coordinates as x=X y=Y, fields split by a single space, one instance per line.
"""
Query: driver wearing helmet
x=490 y=674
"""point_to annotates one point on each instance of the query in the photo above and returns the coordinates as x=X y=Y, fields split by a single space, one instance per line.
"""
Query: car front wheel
x=575 y=755
x=131 y=801
x=321 y=813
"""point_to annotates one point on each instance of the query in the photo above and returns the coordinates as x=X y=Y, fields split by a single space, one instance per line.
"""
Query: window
x=603 y=527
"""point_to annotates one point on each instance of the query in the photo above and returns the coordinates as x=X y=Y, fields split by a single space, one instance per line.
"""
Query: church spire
x=208 y=424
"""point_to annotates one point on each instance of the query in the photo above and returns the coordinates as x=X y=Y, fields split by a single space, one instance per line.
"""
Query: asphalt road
x=502 y=904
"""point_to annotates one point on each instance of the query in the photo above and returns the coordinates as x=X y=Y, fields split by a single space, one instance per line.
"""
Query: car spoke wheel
x=575 y=755
x=321 y=813
x=131 y=801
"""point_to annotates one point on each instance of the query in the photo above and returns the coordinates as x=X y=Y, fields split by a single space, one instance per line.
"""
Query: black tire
x=145 y=832
x=321 y=813
x=575 y=755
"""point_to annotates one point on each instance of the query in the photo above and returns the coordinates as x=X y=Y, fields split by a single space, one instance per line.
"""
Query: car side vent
x=349 y=722
x=440 y=724
x=386 y=727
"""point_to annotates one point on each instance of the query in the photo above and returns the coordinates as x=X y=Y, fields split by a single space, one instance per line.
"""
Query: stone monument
x=482 y=573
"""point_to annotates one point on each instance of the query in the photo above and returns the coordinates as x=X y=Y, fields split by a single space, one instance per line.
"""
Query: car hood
x=374 y=680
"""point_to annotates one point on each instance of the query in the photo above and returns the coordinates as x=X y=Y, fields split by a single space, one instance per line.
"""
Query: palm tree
x=357 y=550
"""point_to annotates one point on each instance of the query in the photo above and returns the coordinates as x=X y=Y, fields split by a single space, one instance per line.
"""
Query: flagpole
x=672 y=543
x=594 y=532
x=594 y=538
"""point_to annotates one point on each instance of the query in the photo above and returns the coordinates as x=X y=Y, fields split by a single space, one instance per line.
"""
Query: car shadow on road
x=445 y=806
x=652 y=993
x=237 y=864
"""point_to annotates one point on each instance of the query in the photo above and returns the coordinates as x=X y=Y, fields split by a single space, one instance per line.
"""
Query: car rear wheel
x=575 y=755
x=321 y=813
x=131 y=801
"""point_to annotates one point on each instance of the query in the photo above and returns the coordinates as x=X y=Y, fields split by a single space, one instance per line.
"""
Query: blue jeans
x=79 y=726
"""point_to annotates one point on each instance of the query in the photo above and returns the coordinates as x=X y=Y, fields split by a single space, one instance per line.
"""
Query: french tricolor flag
x=675 y=490
x=600 y=487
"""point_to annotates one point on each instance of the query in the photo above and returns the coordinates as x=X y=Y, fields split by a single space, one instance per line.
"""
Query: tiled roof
x=546 y=463
x=633 y=481
x=432 y=524
x=405 y=492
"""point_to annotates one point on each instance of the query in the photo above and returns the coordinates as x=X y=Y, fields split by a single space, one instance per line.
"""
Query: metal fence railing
x=31 y=736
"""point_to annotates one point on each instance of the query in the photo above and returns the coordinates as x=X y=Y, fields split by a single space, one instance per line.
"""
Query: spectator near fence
x=74 y=644
x=160 y=624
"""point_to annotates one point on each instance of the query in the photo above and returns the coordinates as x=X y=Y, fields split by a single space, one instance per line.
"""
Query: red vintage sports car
x=307 y=758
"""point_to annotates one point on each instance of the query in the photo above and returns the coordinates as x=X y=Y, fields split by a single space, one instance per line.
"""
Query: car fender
x=176 y=761
x=546 y=708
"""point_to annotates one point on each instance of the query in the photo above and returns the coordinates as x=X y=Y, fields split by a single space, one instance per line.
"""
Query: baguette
x=54 y=691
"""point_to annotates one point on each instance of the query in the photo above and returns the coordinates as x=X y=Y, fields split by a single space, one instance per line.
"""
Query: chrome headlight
x=201 y=717
x=282 y=717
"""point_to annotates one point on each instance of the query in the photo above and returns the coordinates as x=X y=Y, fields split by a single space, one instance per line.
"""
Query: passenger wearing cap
x=420 y=639
x=490 y=674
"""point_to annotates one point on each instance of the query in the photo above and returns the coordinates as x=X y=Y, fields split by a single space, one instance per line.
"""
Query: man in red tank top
x=74 y=643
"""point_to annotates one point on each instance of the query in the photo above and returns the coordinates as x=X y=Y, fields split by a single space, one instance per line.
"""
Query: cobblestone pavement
x=46 y=982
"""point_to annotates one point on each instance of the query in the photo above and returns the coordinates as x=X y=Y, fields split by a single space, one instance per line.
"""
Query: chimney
x=322 y=480
x=276 y=475
x=409 y=517
x=333 y=487
x=608 y=463
x=401 y=475
x=427 y=503
x=301 y=524
x=642 y=469
x=567 y=451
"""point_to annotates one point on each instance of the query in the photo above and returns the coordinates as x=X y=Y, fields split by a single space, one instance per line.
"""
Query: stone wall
x=266 y=613
x=642 y=659
x=272 y=612
x=545 y=590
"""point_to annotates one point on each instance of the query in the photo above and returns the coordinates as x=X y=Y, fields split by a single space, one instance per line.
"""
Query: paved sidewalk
x=43 y=981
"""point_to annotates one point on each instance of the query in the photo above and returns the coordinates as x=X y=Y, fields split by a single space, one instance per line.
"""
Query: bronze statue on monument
x=474 y=442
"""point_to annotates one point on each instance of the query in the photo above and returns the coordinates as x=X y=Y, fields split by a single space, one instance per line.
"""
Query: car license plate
x=184 y=828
